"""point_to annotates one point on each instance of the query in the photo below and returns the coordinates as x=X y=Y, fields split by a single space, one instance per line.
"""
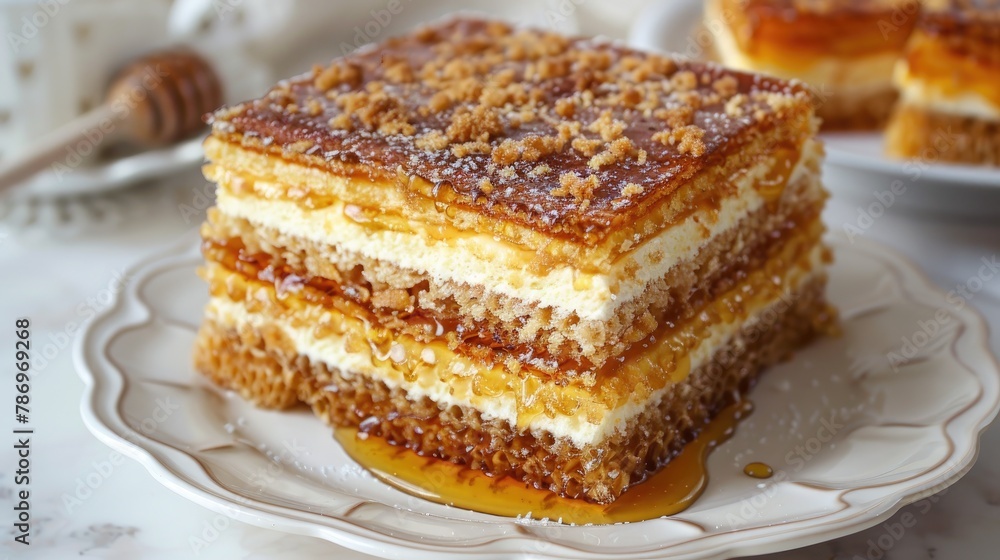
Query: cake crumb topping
x=687 y=138
x=608 y=127
x=631 y=189
x=614 y=152
x=580 y=188
x=336 y=74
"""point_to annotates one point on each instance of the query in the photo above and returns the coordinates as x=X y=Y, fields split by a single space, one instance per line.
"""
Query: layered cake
x=950 y=85
x=548 y=258
x=844 y=49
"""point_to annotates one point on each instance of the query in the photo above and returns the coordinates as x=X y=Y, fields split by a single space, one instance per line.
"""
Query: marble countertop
x=90 y=503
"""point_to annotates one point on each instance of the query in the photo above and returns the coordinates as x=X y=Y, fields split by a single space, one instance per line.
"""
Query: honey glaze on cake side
x=668 y=491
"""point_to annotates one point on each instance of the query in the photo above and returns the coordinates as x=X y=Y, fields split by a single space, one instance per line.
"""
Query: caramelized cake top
x=825 y=27
x=568 y=136
x=792 y=8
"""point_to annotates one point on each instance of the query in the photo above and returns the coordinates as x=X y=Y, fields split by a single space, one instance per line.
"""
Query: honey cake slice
x=514 y=250
x=845 y=49
x=950 y=90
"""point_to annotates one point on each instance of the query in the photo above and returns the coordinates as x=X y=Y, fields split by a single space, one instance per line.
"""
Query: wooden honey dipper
x=156 y=100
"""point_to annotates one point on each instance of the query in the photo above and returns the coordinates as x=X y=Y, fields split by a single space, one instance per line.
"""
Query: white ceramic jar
x=59 y=55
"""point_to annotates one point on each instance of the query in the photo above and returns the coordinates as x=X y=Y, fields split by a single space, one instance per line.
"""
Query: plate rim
x=162 y=460
x=115 y=174
x=976 y=177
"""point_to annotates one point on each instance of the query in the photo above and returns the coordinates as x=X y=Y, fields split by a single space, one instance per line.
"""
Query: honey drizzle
x=773 y=184
x=670 y=490
x=758 y=470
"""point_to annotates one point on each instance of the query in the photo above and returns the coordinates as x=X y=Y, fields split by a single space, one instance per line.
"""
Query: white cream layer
x=332 y=350
x=473 y=260
x=915 y=91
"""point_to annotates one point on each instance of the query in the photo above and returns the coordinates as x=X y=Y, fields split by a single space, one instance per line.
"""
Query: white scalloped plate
x=851 y=439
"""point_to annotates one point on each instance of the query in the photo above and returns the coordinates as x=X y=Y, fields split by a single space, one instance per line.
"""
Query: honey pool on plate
x=670 y=490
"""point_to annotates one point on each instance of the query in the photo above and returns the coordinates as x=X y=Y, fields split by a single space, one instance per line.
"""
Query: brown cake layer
x=847 y=110
x=916 y=132
x=262 y=365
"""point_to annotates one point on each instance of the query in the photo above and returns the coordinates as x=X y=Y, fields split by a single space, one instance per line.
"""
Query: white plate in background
x=100 y=177
x=875 y=438
x=855 y=164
